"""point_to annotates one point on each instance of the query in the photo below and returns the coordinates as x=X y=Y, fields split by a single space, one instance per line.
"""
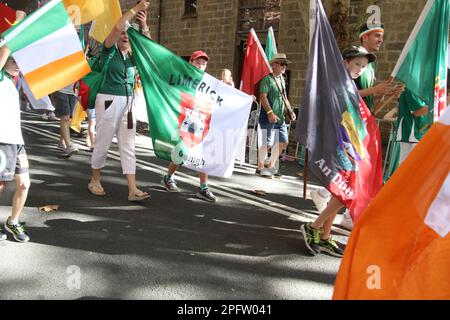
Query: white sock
x=14 y=222
x=324 y=193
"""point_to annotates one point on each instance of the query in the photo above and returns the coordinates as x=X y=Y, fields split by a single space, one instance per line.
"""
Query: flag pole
x=305 y=174
x=312 y=26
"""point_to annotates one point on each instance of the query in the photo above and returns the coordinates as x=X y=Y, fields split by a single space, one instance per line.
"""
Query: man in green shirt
x=411 y=122
x=371 y=37
x=274 y=103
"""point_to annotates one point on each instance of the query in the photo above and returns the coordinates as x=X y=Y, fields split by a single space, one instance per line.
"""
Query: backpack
x=90 y=84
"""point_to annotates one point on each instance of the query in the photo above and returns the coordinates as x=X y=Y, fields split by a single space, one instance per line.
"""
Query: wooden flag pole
x=305 y=174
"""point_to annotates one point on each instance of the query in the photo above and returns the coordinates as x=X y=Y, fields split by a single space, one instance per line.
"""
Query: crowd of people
x=113 y=117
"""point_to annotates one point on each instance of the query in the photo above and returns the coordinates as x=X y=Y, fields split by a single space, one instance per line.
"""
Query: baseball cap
x=368 y=28
x=358 y=51
x=198 y=54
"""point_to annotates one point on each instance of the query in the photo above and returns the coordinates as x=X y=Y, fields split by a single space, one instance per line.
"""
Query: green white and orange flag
x=47 y=49
x=422 y=65
x=271 y=45
x=400 y=248
x=194 y=118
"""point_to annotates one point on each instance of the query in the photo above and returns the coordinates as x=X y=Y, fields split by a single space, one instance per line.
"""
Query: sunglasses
x=283 y=64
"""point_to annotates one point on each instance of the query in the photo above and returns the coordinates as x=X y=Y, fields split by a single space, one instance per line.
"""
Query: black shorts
x=64 y=104
x=13 y=160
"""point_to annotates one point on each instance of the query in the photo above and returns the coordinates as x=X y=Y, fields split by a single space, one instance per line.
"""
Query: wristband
x=269 y=112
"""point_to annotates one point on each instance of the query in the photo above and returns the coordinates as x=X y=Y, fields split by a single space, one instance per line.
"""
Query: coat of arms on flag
x=194 y=119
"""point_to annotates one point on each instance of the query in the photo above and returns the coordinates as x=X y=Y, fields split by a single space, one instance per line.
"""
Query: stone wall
x=212 y=29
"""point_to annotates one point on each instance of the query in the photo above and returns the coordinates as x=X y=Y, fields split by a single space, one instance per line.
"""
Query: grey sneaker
x=52 y=116
x=206 y=195
x=311 y=237
x=71 y=149
x=169 y=184
x=18 y=231
x=61 y=146
x=266 y=173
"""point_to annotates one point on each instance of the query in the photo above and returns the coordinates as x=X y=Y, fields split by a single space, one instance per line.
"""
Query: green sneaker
x=17 y=230
x=311 y=237
x=330 y=246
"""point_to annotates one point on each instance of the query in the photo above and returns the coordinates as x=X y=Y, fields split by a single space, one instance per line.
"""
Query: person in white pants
x=114 y=103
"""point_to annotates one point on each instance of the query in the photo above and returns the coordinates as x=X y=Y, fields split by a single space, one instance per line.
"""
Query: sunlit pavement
x=174 y=246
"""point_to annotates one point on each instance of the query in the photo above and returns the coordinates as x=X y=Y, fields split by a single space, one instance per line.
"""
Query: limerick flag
x=194 y=118
x=422 y=65
x=47 y=49
x=336 y=127
x=400 y=249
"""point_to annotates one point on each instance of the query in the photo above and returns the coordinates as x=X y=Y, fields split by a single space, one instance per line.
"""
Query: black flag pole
x=305 y=174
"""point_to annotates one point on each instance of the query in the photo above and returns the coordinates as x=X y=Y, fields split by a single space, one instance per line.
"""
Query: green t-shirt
x=408 y=124
x=269 y=86
x=366 y=81
x=115 y=76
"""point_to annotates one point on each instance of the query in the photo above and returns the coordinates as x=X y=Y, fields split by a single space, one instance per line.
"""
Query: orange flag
x=400 y=248
x=104 y=23
x=84 y=11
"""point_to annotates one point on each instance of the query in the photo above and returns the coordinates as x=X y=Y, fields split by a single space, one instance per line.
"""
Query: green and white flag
x=271 y=45
x=194 y=118
x=422 y=65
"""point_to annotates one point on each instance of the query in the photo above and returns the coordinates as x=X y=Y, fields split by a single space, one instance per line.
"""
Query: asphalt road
x=173 y=246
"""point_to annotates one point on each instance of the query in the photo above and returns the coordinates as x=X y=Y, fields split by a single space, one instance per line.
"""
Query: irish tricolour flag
x=400 y=248
x=47 y=49
x=194 y=118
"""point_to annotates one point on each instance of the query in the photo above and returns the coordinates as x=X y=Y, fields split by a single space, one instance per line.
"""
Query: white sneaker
x=61 y=146
x=266 y=173
x=44 y=116
x=319 y=201
x=71 y=149
x=52 y=116
x=346 y=221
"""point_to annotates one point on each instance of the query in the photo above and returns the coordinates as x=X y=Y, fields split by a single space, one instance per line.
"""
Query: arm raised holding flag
x=113 y=108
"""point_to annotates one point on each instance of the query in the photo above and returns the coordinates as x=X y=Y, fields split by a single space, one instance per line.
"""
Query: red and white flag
x=7 y=17
x=256 y=66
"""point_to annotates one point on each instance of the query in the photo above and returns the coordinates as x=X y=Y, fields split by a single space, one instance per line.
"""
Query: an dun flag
x=400 y=249
x=194 y=118
x=422 y=65
x=47 y=49
x=7 y=17
x=256 y=66
x=336 y=127
x=271 y=45
x=105 y=22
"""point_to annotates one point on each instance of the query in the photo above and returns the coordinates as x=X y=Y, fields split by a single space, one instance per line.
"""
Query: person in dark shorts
x=13 y=158
x=65 y=101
